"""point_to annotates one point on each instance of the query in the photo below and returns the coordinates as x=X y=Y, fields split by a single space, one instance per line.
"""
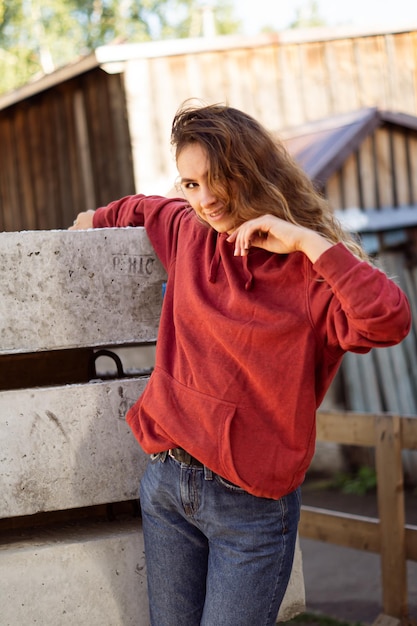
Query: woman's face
x=193 y=168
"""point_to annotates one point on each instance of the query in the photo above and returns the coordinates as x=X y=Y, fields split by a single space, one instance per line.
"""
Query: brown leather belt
x=183 y=457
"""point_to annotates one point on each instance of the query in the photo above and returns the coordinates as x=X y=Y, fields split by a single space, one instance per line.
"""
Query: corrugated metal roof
x=323 y=146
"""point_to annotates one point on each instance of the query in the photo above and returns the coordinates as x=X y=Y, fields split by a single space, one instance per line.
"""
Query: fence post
x=390 y=481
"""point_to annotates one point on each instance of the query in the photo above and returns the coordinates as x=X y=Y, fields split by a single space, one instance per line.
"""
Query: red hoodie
x=248 y=346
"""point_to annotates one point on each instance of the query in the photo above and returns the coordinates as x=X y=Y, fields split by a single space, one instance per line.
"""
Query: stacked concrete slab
x=67 y=448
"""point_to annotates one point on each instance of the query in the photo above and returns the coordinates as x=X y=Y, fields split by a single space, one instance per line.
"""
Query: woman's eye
x=189 y=186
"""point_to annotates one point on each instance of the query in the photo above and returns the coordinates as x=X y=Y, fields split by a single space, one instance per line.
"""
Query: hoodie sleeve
x=160 y=216
x=355 y=304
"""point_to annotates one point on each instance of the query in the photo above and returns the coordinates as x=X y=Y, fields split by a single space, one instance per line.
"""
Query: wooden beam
x=391 y=508
x=343 y=529
x=346 y=427
x=350 y=531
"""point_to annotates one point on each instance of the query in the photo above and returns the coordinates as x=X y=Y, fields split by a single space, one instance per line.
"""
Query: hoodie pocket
x=171 y=412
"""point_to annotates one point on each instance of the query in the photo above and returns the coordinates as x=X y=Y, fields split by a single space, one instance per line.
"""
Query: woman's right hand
x=83 y=221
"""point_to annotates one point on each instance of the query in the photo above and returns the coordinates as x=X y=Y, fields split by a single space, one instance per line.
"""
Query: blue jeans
x=215 y=554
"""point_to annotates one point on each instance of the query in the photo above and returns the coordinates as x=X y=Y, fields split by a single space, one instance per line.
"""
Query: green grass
x=315 y=619
x=360 y=483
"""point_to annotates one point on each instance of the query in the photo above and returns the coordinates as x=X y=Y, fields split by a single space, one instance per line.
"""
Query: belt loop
x=208 y=474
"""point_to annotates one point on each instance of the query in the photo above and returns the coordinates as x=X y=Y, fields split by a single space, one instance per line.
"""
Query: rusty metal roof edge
x=335 y=157
x=365 y=123
x=398 y=118
x=361 y=123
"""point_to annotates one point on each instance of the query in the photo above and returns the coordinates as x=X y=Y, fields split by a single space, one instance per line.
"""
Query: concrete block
x=294 y=601
x=65 y=289
x=83 y=577
x=93 y=576
x=67 y=447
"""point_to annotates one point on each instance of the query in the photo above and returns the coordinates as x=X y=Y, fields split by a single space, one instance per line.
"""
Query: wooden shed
x=365 y=162
x=99 y=128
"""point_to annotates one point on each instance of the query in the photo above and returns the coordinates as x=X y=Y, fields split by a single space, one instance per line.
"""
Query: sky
x=278 y=14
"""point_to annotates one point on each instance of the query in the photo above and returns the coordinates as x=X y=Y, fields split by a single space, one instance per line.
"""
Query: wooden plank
x=49 y=179
x=83 y=149
x=121 y=138
x=137 y=79
x=263 y=68
x=68 y=447
x=104 y=143
x=77 y=197
x=400 y=164
x=163 y=86
x=401 y=62
x=346 y=427
x=372 y=69
x=26 y=208
x=367 y=174
x=342 y=75
x=384 y=167
x=238 y=87
x=8 y=177
x=314 y=80
x=62 y=165
x=351 y=531
x=333 y=192
x=390 y=76
x=392 y=514
x=344 y=529
x=292 y=99
x=351 y=182
x=35 y=146
x=65 y=289
x=412 y=152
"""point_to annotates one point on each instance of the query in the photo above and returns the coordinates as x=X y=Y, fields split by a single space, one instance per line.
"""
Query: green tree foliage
x=308 y=17
x=38 y=36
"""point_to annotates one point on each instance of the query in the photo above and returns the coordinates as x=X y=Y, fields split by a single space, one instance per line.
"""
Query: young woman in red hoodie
x=265 y=294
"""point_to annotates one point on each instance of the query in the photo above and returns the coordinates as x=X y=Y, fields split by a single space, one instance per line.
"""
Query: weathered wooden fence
x=71 y=549
x=389 y=535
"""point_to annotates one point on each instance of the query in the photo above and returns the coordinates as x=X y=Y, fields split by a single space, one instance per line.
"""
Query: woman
x=265 y=294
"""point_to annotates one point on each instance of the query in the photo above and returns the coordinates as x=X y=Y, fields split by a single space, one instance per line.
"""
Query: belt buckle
x=184 y=457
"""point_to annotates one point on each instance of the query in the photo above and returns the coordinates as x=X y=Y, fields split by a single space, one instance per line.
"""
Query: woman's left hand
x=279 y=236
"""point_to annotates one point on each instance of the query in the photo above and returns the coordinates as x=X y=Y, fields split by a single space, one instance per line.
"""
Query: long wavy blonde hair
x=252 y=172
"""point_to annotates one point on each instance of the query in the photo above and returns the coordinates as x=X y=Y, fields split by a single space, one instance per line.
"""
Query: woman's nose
x=207 y=197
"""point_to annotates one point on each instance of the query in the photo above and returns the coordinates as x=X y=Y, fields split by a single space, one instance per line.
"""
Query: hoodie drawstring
x=217 y=258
